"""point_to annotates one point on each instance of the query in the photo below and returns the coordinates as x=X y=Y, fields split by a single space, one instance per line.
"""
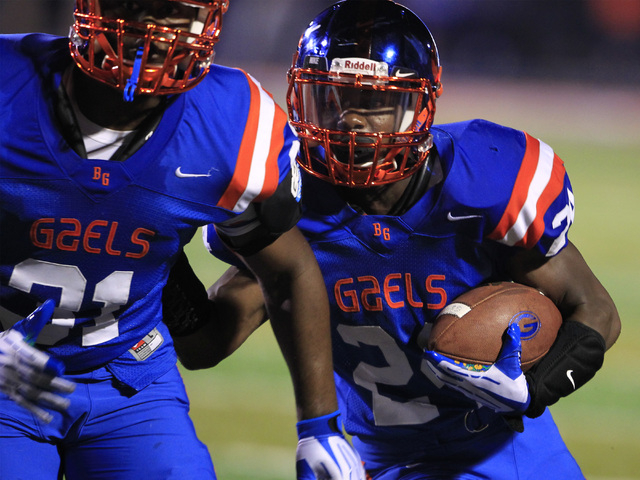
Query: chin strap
x=418 y=184
x=132 y=83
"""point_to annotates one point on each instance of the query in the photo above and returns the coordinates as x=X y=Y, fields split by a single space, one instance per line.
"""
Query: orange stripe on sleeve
x=550 y=193
x=240 y=177
x=520 y=189
x=272 y=173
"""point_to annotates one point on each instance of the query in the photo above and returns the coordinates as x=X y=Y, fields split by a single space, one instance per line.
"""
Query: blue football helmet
x=155 y=47
x=362 y=93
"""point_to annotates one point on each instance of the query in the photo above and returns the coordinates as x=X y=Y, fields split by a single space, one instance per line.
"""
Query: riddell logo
x=363 y=66
x=357 y=65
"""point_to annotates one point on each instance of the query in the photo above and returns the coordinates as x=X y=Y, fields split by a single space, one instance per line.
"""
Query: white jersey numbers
x=387 y=412
x=112 y=292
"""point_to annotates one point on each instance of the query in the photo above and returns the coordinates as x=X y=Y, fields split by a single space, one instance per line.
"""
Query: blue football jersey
x=388 y=277
x=99 y=237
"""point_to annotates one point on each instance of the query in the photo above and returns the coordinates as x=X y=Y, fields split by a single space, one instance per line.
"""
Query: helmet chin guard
x=146 y=51
x=362 y=93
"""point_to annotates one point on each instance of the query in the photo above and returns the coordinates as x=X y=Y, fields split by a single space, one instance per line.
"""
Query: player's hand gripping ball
x=470 y=329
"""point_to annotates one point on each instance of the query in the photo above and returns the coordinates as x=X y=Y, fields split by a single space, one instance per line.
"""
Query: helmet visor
x=177 y=23
x=173 y=14
x=360 y=130
x=346 y=108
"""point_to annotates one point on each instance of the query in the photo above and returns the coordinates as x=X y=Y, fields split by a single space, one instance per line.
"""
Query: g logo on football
x=529 y=324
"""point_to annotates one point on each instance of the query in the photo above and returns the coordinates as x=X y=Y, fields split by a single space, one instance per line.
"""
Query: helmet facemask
x=360 y=129
x=156 y=47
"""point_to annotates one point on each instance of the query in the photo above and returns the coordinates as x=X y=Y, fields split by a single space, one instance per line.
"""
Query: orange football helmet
x=155 y=47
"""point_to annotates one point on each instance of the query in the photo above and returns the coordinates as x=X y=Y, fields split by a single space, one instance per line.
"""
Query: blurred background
x=586 y=40
x=566 y=71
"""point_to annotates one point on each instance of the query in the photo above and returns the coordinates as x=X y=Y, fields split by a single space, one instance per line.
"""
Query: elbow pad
x=185 y=304
x=573 y=359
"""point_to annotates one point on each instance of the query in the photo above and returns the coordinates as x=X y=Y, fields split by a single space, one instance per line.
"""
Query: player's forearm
x=301 y=327
x=599 y=315
x=570 y=283
x=296 y=298
x=590 y=324
x=584 y=299
x=209 y=326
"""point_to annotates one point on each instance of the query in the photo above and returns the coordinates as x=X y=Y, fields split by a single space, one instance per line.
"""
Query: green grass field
x=243 y=409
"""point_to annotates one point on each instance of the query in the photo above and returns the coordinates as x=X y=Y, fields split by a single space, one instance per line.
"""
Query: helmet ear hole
x=437 y=85
x=438 y=89
x=376 y=61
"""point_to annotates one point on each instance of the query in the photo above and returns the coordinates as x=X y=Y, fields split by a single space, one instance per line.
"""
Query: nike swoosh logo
x=451 y=218
x=570 y=377
x=404 y=74
x=180 y=174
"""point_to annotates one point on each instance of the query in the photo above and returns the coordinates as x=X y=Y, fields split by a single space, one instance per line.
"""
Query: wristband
x=573 y=359
x=324 y=425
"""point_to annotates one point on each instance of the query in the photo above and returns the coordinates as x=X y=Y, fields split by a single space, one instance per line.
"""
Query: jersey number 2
x=386 y=411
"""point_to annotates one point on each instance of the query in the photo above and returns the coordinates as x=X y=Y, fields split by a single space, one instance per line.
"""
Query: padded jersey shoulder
x=515 y=181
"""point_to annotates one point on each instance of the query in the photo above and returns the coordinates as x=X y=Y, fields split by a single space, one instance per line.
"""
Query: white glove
x=323 y=453
x=28 y=376
x=502 y=386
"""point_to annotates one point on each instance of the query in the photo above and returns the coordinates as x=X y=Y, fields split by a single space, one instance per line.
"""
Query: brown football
x=470 y=328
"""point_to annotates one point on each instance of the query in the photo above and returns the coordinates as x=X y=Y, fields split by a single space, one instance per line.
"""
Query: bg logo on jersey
x=98 y=236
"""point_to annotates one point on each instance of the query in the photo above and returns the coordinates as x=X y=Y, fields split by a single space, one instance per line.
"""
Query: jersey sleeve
x=540 y=208
x=268 y=149
x=265 y=188
x=261 y=223
x=217 y=247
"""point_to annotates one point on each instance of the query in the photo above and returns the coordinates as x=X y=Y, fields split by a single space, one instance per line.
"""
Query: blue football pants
x=107 y=434
x=497 y=453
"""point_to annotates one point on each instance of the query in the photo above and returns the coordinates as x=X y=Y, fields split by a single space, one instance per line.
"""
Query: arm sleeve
x=261 y=223
x=573 y=360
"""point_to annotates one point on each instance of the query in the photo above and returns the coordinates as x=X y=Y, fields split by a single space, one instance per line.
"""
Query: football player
x=117 y=144
x=404 y=216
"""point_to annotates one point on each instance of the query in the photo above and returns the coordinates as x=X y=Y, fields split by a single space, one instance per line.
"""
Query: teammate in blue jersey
x=117 y=144
x=403 y=217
